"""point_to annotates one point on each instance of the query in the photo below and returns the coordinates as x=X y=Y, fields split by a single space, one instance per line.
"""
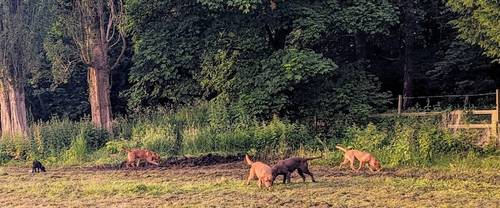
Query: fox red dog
x=350 y=156
x=134 y=157
x=261 y=171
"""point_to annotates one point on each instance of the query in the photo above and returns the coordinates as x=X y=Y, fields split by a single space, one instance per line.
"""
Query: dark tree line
x=331 y=60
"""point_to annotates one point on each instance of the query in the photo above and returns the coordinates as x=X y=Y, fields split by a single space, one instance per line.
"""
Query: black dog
x=286 y=168
x=37 y=167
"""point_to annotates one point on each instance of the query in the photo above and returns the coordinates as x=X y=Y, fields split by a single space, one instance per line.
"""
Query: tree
x=408 y=47
x=364 y=18
x=17 y=57
x=86 y=31
x=167 y=49
x=478 y=23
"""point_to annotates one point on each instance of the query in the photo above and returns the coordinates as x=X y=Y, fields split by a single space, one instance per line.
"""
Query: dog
x=363 y=157
x=134 y=157
x=287 y=166
x=37 y=167
x=260 y=170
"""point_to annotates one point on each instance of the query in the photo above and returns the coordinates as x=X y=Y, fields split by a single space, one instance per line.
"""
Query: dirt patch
x=176 y=162
x=205 y=160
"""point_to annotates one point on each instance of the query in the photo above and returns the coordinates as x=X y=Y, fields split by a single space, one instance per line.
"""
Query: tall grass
x=411 y=141
x=214 y=128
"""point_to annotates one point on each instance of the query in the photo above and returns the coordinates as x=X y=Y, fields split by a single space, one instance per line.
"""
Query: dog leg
x=289 y=177
x=251 y=175
x=361 y=164
x=260 y=183
x=344 y=163
x=306 y=171
x=301 y=174
x=352 y=166
x=284 y=178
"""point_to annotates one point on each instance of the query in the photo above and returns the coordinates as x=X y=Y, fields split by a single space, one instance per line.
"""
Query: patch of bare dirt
x=205 y=160
x=176 y=162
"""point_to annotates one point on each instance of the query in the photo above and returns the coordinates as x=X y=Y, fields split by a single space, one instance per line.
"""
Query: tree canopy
x=336 y=61
x=478 y=24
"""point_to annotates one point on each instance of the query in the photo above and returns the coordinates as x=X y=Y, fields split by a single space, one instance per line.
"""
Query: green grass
x=223 y=186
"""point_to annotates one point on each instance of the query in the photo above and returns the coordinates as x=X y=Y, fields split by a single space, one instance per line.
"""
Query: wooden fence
x=457 y=116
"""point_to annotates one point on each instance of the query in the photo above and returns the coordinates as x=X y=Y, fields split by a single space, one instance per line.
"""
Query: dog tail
x=312 y=158
x=340 y=148
x=247 y=159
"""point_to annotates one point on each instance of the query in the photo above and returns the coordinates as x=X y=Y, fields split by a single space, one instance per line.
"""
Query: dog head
x=155 y=157
x=375 y=164
x=268 y=180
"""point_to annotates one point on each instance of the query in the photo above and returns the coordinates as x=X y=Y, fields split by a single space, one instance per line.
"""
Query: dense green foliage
x=270 y=77
x=412 y=141
x=238 y=53
x=478 y=24
x=245 y=60
x=211 y=128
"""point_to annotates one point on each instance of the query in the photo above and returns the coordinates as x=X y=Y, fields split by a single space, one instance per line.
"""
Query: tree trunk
x=360 y=39
x=13 y=110
x=100 y=103
x=5 y=111
x=409 y=31
x=408 y=85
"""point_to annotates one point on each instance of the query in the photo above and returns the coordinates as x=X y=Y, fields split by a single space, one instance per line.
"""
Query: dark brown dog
x=134 y=157
x=286 y=168
x=37 y=167
x=363 y=157
x=260 y=171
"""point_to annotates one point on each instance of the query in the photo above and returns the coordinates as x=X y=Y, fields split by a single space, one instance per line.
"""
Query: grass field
x=222 y=185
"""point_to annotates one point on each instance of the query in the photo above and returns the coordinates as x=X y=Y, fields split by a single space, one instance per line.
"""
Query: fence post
x=400 y=103
x=495 y=116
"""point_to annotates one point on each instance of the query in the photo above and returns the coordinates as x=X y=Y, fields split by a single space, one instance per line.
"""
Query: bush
x=370 y=138
x=52 y=138
x=13 y=148
x=77 y=153
x=158 y=136
x=274 y=139
x=409 y=141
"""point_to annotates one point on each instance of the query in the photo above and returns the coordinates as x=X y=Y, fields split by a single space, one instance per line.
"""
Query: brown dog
x=134 y=157
x=286 y=168
x=364 y=158
x=260 y=170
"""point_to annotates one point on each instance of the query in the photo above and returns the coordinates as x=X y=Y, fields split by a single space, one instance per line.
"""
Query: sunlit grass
x=223 y=186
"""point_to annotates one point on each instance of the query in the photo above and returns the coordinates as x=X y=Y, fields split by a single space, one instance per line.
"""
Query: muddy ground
x=220 y=183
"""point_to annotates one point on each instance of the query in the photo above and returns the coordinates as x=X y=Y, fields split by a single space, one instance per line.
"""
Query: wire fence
x=440 y=102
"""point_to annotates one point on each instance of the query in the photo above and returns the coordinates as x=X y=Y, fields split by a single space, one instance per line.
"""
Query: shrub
x=409 y=141
x=53 y=137
x=122 y=128
x=370 y=138
x=158 y=137
x=276 y=138
x=402 y=145
x=95 y=137
x=13 y=148
x=117 y=146
x=77 y=153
